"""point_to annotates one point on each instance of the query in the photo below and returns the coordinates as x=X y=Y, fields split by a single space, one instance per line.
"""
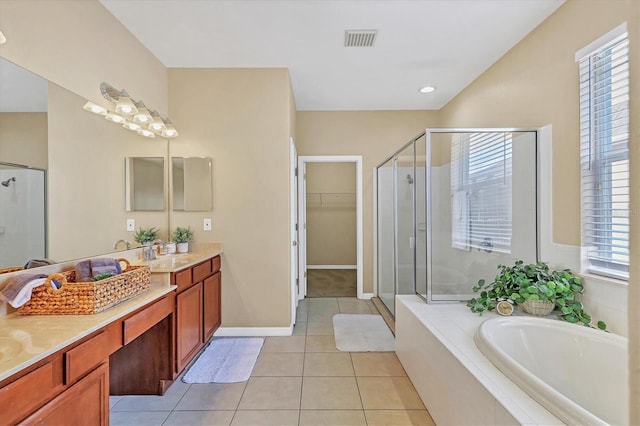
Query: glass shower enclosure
x=22 y=214
x=452 y=204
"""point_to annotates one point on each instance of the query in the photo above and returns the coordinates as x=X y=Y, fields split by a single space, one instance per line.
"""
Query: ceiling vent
x=360 y=38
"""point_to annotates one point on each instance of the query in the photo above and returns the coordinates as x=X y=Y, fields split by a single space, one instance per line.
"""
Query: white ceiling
x=446 y=43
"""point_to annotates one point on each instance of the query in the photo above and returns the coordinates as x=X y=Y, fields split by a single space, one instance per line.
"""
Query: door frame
x=302 y=215
x=293 y=237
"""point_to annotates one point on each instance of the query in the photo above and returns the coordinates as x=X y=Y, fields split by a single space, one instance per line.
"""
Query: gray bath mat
x=226 y=360
x=362 y=333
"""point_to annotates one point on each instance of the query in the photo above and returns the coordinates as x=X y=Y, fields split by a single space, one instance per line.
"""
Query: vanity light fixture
x=125 y=106
x=427 y=89
x=96 y=109
x=133 y=115
x=142 y=117
x=3 y=39
x=170 y=132
x=130 y=125
x=146 y=133
x=115 y=118
x=157 y=125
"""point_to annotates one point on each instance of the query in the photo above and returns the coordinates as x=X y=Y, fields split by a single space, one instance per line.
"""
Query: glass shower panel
x=420 y=183
x=22 y=215
x=405 y=228
x=385 y=234
x=483 y=213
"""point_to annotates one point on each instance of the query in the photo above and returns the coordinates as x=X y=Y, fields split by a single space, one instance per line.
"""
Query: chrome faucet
x=115 y=246
x=163 y=246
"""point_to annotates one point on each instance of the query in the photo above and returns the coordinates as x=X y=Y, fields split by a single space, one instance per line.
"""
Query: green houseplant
x=522 y=284
x=182 y=236
x=145 y=236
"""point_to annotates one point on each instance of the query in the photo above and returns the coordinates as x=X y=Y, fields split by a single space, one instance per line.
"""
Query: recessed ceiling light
x=427 y=89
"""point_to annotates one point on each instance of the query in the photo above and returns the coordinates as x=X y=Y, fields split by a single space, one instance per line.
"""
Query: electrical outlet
x=207 y=224
x=131 y=224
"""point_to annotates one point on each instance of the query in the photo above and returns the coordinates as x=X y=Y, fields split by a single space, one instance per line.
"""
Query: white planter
x=183 y=247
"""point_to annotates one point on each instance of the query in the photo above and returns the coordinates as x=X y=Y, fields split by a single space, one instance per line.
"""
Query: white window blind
x=604 y=157
x=481 y=191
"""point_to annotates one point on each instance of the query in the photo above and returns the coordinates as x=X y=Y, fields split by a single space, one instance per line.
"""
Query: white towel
x=460 y=220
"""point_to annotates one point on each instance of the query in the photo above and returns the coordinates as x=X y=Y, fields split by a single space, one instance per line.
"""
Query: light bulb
x=125 y=106
x=131 y=126
x=115 y=118
x=96 y=109
x=146 y=133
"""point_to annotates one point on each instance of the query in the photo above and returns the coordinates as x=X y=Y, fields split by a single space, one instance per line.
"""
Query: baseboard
x=253 y=331
x=332 y=266
x=365 y=296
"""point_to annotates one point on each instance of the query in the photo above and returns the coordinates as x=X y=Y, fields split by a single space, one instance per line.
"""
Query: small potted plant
x=531 y=286
x=182 y=236
x=145 y=236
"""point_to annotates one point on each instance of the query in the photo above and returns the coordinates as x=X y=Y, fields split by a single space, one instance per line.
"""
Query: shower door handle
x=295 y=243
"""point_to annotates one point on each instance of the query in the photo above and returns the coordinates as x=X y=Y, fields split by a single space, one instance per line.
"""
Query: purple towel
x=88 y=269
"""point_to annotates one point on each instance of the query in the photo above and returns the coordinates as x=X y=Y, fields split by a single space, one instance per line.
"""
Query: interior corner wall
x=373 y=134
x=241 y=119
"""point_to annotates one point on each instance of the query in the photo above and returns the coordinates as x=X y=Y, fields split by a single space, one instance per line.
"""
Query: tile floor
x=298 y=380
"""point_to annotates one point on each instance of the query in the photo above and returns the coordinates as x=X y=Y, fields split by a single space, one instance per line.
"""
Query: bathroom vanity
x=57 y=369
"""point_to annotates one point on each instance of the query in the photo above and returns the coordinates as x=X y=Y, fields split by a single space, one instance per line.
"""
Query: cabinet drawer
x=183 y=279
x=201 y=271
x=216 y=264
x=84 y=357
x=20 y=398
x=137 y=324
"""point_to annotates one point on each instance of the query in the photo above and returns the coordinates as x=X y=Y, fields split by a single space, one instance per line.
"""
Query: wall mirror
x=192 y=186
x=144 y=184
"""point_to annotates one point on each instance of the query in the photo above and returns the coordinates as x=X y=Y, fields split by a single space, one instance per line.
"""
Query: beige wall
x=535 y=84
x=331 y=213
x=241 y=118
x=373 y=134
x=23 y=138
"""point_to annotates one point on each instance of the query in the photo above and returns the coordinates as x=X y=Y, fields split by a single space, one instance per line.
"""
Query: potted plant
x=145 y=236
x=533 y=285
x=182 y=236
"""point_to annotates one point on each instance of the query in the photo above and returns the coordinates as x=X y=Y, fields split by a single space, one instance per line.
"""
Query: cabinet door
x=85 y=403
x=189 y=324
x=211 y=305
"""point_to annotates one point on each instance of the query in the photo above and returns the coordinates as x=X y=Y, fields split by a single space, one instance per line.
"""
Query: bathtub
x=577 y=373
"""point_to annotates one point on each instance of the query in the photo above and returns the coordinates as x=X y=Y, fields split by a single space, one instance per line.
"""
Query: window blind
x=604 y=157
x=481 y=191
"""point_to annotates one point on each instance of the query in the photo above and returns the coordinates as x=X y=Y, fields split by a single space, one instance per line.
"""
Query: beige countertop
x=26 y=339
x=176 y=262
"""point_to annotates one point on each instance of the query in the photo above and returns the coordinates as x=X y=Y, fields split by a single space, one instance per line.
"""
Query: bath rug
x=225 y=360
x=362 y=333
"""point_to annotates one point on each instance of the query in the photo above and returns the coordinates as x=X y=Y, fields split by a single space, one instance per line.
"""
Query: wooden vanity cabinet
x=197 y=308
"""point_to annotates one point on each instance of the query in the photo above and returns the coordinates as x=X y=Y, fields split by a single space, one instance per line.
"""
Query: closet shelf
x=334 y=199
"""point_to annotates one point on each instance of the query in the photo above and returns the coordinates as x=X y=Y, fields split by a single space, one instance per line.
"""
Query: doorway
x=330 y=200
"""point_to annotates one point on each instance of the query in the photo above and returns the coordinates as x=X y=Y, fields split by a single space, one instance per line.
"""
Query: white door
x=293 y=191
x=302 y=229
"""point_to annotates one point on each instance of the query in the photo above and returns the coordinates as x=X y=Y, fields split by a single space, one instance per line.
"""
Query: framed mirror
x=192 y=184
x=144 y=184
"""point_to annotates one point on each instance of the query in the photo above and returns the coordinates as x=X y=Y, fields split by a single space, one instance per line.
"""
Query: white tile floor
x=298 y=380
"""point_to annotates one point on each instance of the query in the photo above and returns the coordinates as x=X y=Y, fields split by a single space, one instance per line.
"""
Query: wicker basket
x=538 y=307
x=74 y=298
x=11 y=269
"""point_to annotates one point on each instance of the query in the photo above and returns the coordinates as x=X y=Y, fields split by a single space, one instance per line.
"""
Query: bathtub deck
x=457 y=383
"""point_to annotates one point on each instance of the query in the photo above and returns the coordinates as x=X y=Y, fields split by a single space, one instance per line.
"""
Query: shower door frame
x=428 y=133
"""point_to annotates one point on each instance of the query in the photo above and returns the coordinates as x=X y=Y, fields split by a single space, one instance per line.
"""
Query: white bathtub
x=577 y=373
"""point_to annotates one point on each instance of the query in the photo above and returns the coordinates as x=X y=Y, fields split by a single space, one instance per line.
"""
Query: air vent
x=360 y=38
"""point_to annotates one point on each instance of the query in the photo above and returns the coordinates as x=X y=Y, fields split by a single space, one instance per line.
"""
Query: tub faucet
x=126 y=243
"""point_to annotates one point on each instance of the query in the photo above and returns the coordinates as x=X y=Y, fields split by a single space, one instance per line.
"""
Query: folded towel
x=88 y=269
x=35 y=263
x=17 y=290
